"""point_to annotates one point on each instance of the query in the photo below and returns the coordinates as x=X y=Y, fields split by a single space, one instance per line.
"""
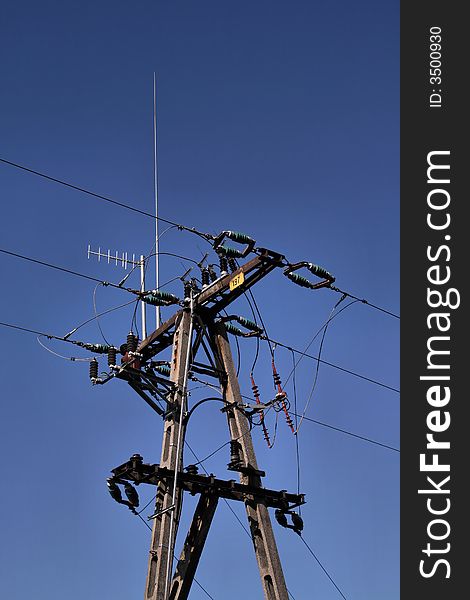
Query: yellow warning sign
x=237 y=280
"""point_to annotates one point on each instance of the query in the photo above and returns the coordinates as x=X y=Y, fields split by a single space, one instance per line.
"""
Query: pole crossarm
x=215 y=297
x=138 y=473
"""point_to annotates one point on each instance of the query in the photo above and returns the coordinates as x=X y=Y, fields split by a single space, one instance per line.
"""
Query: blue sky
x=277 y=119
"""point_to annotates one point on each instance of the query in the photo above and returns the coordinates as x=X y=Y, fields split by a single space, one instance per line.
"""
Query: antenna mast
x=155 y=182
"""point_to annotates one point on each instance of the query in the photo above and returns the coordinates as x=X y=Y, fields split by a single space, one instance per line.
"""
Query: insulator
x=114 y=490
x=154 y=300
x=194 y=286
x=230 y=252
x=277 y=379
x=212 y=273
x=255 y=391
x=93 y=369
x=112 y=353
x=223 y=265
x=297 y=522
x=237 y=236
x=163 y=370
x=265 y=432
x=234 y=453
x=187 y=290
x=232 y=264
x=249 y=324
x=205 y=277
x=131 y=494
x=132 y=341
x=299 y=280
x=319 y=271
x=233 y=330
x=289 y=420
x=98 y=348
x=166 y=296
x=280 y=517
x=192 y=469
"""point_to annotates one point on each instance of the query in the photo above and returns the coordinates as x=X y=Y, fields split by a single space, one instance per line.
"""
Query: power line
x=360 y=437
x=105 y=198
x=323 y=568
x=364 y=301
x=65 y=270
x=47 y=335
x=369 y=379
x=345 y=431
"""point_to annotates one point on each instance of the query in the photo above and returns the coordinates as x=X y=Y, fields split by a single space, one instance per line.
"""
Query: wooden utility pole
x=168 y=504
x=269 y=564
x=201 y=313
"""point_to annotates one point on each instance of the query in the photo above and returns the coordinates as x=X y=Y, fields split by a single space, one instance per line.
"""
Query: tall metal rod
x=155 y=185
x=142 y=289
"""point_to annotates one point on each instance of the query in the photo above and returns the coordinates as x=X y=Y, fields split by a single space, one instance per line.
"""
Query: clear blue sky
x=278 y=119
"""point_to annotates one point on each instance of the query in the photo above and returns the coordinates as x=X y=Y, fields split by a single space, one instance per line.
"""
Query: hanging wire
x=323 y=568
x=345 y=431
x=297 y=452
x=96 y=314
x=105 y=312
x=71 y=358
x=317 y=370
x=333 y=314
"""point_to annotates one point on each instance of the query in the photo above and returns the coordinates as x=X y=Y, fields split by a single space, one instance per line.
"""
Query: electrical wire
x=105 y=312
x=360 y=437
x=345 y=431
x=323 y=568
x=387 y=312
x=330 y=318
x=96 y=314
x=317 y=370
x=335 y=366
x=205 y=236
x=69 y=271
x=297 y=452
x=71 y=358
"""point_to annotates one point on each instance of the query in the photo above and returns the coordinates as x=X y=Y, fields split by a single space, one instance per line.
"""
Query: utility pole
x=168 y=501
x=269 y=564
x=199 y=328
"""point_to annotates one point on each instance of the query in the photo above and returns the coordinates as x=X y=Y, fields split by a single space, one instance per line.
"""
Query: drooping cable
x=323 y=568
x=71 y=358
x=317 y=370
x=335 y=366
x=297 y=451
x=96 y=314
x=323 y=424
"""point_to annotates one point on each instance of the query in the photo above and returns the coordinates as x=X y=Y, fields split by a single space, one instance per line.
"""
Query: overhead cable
x=106 y=198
